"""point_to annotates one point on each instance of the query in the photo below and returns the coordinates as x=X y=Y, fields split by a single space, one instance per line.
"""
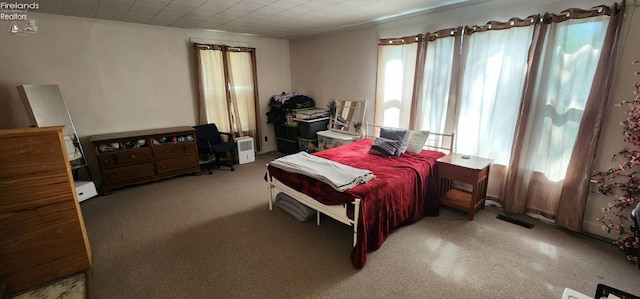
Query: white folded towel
x=339 y=176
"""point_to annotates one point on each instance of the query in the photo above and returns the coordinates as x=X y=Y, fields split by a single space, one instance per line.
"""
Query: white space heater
x=246 y=153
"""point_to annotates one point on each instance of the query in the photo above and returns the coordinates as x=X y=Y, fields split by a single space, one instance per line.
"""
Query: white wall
x=117 y=76
x=325 y=66
x=336 y=66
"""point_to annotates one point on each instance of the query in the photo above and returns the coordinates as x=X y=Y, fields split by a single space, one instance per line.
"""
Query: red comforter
x=404 y=191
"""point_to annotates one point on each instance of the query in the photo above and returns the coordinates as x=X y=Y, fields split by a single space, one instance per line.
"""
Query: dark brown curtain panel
x=575 y=189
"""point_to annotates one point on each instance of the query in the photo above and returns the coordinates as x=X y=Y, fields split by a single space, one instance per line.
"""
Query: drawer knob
x=133 y=156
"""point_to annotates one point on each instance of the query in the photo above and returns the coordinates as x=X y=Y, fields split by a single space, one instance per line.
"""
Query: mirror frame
x=348 y=117
x=45 y=106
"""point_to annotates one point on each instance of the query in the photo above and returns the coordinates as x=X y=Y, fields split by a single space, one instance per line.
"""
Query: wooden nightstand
x=469 y=170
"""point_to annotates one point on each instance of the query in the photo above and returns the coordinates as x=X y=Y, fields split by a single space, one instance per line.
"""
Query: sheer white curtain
x=396 y=71
x=242 y=92
x=565 y=79
x=493 y=71
x=567 y=67
x=521 y=98
x=213 y=87
x=228 y=89
x=433 y=104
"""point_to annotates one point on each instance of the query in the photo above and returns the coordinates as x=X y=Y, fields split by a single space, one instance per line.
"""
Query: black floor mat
x=514 y=221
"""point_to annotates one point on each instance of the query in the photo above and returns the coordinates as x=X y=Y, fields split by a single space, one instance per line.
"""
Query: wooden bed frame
x=435 y=141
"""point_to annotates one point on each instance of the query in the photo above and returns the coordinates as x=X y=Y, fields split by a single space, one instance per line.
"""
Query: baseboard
x=594 y=229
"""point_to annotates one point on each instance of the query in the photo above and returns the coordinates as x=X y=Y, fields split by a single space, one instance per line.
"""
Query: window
x=228 y=89
x=514 y=92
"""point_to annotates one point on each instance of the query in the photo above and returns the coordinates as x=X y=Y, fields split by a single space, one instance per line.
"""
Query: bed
x=404 y=190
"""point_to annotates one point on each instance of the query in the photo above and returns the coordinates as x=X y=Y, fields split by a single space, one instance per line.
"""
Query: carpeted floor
x=212 y=236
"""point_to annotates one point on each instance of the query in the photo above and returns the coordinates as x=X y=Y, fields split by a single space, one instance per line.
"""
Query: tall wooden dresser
x=42 y=232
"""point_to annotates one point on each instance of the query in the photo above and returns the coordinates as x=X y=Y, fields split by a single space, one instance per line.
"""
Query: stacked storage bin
x=299 y=132
x=287 y=138
x=330 y=139
x=308 y=139
x=309 y=123
x=283 y=108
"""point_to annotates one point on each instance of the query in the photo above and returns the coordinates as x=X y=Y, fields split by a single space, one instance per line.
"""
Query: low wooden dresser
x=142 y=156
x=469 y=170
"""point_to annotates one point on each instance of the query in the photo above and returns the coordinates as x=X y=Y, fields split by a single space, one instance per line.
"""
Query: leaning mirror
x=45 y=107
x=348 y=117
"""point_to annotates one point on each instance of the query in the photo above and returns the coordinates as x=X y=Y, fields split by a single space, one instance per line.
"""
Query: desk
x=469 y=170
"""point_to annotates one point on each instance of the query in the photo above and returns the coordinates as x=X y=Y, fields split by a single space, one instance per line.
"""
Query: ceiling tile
x=181 y=7
x=138 y=18
x=220 y=3
x=151 y=2
x=162 y=21
x=190 y=2
x=240 y=10
x=191 y=21
x=260 y=13
x=144 y=9
x=272 y=18
x=251 y=4
x=211 y=23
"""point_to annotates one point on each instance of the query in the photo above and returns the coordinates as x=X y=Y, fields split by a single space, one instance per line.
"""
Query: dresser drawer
x=107 y=160
x=191 y=148
x=176 y=164
x=168 y=150
x=126 y=173
x=133 y=156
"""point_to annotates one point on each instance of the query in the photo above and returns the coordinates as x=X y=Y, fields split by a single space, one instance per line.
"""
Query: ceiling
x=286 y=19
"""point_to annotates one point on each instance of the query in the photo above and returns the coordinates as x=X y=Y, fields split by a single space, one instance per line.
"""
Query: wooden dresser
x=142 y=156
x=42 y=232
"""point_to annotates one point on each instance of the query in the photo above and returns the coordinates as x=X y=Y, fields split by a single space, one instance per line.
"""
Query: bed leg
x=318 y=218
x=270 y=186
x=270 y=198
x=356 y=218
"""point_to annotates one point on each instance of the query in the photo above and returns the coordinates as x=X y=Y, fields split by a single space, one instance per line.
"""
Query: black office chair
x=210 y=142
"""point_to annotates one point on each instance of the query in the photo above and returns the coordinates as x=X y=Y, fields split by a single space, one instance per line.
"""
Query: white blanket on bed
x=339 y=176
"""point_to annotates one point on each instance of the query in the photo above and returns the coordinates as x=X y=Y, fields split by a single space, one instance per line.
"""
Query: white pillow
x=417 y=139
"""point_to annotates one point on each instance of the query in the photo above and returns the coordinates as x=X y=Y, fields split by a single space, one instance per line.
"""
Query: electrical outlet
x=266 y=139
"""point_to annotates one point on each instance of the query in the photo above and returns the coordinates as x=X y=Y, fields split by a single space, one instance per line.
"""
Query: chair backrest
x=209 y=132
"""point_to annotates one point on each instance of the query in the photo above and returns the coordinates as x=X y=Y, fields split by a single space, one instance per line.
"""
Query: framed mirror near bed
x=348 y=117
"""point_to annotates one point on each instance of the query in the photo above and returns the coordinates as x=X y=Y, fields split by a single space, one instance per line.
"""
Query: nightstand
x=465 y=169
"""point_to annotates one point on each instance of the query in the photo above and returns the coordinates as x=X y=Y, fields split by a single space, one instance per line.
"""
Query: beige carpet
x=212 y=236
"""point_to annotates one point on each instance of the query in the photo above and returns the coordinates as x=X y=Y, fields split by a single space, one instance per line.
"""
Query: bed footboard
x=337 y=212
